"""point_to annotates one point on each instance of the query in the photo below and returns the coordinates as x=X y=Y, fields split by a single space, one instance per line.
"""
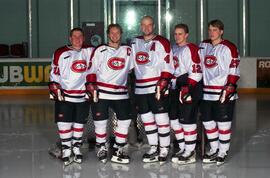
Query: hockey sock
x=179 y=133
x=150 y=128
x=190 y=134
x=101 y=131
x=224 y=129
x=163 y=124
x=77 y=137
x=121 y=132
x=65 y=133
x=212 y=134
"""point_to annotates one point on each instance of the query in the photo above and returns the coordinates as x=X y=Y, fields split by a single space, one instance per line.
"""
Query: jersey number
x=167 y=59
x=196 y=68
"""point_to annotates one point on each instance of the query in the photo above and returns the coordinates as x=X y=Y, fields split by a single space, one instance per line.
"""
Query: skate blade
x=119 y=160
x=79 y=161
x=147 y=160
x=187 y=162
x=175 y=160
x=208 y=161
x=67 y=163
x=104 y=161
x=161 y=163
x=220 y=163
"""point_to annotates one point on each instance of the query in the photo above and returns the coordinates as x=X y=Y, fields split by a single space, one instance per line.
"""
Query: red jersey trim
x=213 y=87
x=147 y=80
x=111 y=86
x=232 y=48
x=165 y=43
x=74 y=91
x=194 y=53
x=232 y=79
x=58 y=53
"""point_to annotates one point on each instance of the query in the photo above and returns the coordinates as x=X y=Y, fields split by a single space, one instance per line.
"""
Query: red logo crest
x=210 y=61
x=142 y=58
x=79 y=66
x=116 y=63
x=175 y=62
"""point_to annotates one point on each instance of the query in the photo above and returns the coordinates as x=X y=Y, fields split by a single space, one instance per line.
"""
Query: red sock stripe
x=149 y=123
x=120 y=135
x=211 y=131
x=78 y=129
x=101 y=135
x=179 y=131
x=193 y=132
x=224 y=131
x=64 y=131
x=165 y=125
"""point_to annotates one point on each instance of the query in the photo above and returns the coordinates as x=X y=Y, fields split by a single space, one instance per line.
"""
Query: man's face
x=180 y=36
x=114 y=35
x=214 y=33
x=76 y=39
x=147 y=26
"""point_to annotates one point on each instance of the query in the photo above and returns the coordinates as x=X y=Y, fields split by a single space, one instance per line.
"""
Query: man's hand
x=227 y=92
x=162 y=88
x=91 y=91
x=185 y=95
x=56 y=91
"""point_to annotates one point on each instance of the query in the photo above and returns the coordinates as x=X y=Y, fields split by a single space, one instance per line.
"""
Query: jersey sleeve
x=233 y=58
x=166 y=55
x=193 y=64
x=55 y=69
x=130 y=58
x=189 y=63
x=93 y=67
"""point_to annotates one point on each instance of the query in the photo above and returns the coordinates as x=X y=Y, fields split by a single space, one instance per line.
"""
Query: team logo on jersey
x=79 y=66
x=116 y=63
x=142 y=58
x=175 y=62
x=210 y=61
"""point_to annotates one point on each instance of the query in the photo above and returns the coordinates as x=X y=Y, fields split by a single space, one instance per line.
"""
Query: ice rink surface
x=27 y=130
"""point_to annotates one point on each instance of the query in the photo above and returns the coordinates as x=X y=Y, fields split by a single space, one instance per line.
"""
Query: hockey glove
x=185 y=94
x=56 y=91
x=162 y=88
x=91 y=91
x=227 y=92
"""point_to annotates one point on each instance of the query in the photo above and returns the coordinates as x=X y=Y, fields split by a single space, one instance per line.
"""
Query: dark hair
x=182 y=26
x=76 y=29
x=116 y=25
x=216 y=23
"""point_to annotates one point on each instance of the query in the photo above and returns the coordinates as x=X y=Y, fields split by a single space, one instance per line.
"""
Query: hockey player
x=107 y=86
x=189 y=74
x=67 y=88
x=220 y=73
x=179 y=143
x=153 y=66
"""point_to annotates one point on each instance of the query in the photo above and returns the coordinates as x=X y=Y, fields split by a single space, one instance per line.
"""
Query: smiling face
x=147 y=26
x=76 y=39
x=180 y=36
x=114 y=35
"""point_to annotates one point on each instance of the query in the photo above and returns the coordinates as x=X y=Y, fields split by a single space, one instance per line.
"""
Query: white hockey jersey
x=188 y=63
x=69 y=68
x=152 y=60
x=220 y=65
x=111 y=66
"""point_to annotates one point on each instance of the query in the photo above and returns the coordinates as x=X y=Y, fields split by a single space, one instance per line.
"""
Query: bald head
x=147 y=18
x=147 y=26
